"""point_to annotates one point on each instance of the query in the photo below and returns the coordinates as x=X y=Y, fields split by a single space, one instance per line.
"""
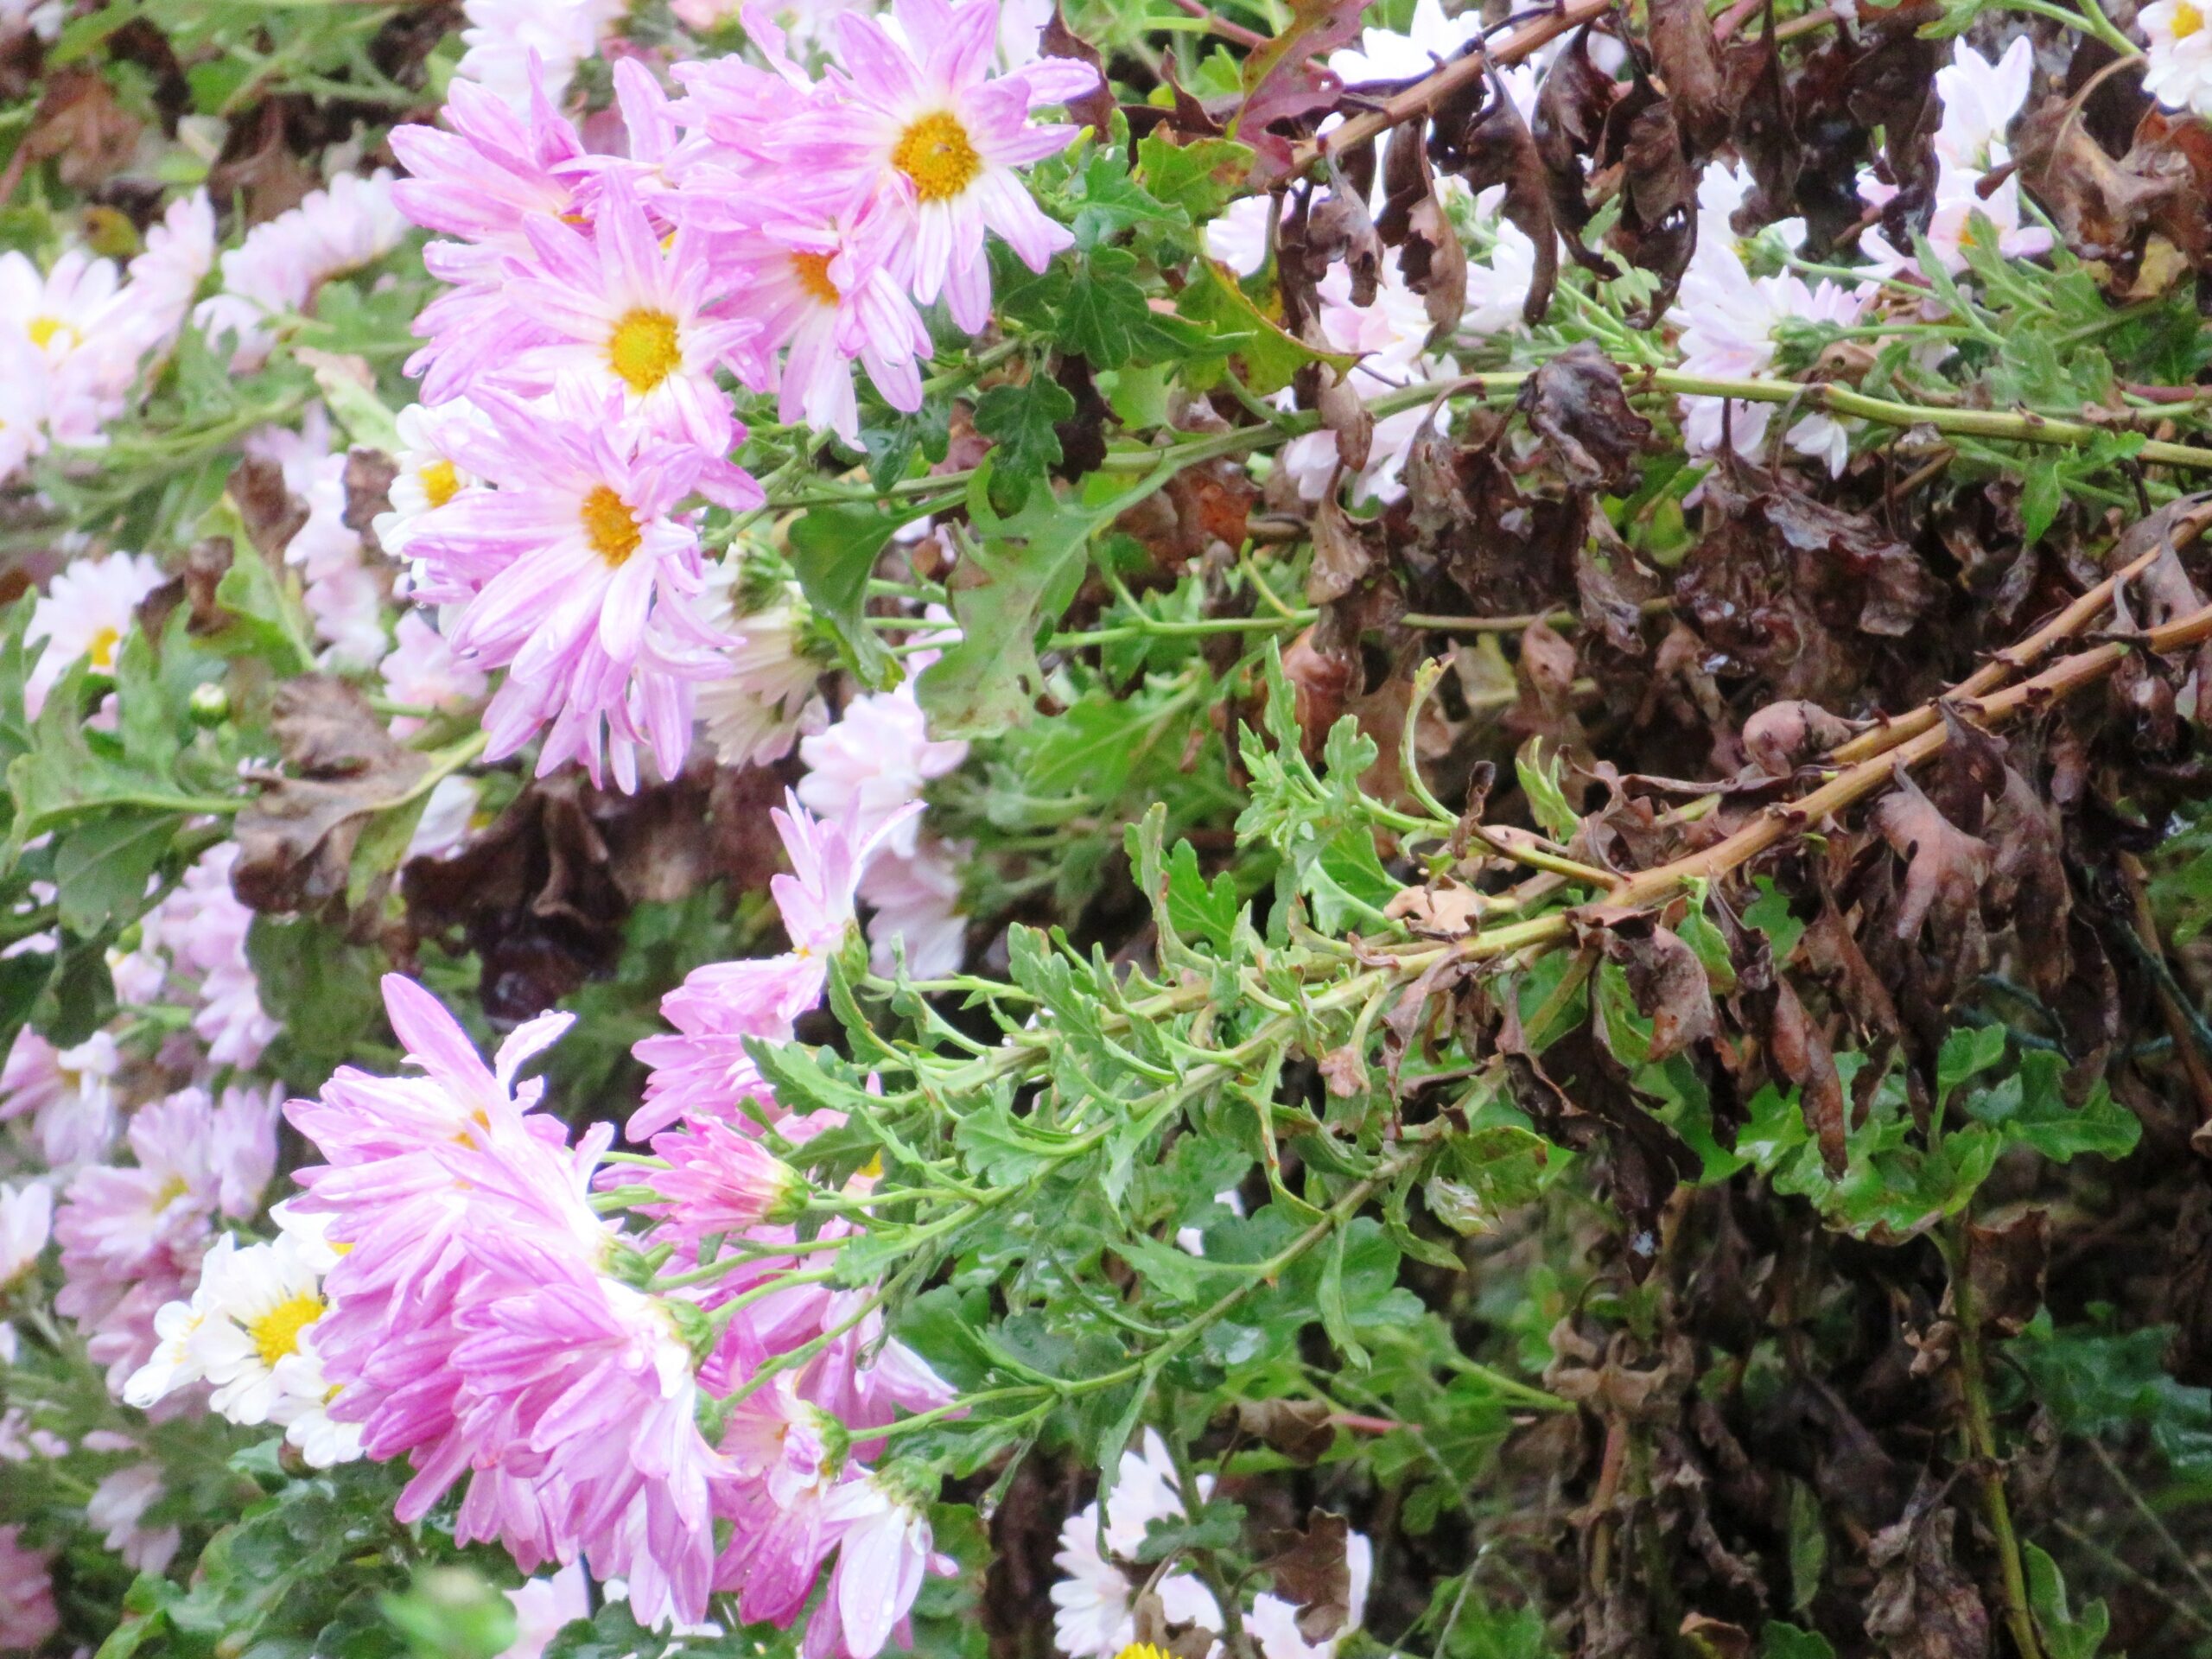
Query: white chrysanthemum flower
x=917 y=907
x=770 y=697
x=1979 y=100
x=1721 y=189
x=26 y=1223
x=258 y=1304
x=1497 y=288
x=2179 y=75
x=85 y=611
x=428 y=475
x=1731 y=322
x=1384 y=55
x=502 y=35
x=447 y=816
x=281 y=263
x=1094 y=1615
x=174 y=1363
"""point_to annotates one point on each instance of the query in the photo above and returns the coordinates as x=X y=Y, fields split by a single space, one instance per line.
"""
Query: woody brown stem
x=1786 y=819
x=2012 y=660
x=1428 y=92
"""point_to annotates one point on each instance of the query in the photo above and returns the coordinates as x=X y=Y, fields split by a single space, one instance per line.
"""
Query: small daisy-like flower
x=117 y=1506
x=632 y=319
x=422 y=672
x=2179 y=75
x=87 y=609
x=258 y=1304
x=1094 y=1604
x=924 y=130
x=427 y=475
x=26 y=1222
x=352 y=223
x=511 y=41
x=917 y=905
x=872 y=765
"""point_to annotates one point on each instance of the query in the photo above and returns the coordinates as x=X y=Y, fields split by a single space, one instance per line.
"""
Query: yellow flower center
x=2187 y=20
x=441 y=483
x=813 y=270
x=276 y=1332
x=1141 y=1650
x=935 y=152
x=644 y=349
x=169 y=1192
x=101 y=647
x=43 y=330
x=610 y=527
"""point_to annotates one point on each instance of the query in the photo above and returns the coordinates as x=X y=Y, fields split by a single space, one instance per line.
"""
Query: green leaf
x=1267 y=357
x=102 y=868
x=1781 y=1641
x=834 y=551
x=1019 y=578
x=1201 y=177
x=1105 y=315
x=1005 y=1150
x=2064 y=1635
x=1968 y=1051
x=83 y=993
x=1217 y=1525
x=320 y=987
x=1769 y=914
x=1018 y=420
x=1808 y=1544
x=1539 y=774
x=2030 y=1109
x=1197 y=912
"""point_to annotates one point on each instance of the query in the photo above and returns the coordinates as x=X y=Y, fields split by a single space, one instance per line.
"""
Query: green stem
x=1982 y=1440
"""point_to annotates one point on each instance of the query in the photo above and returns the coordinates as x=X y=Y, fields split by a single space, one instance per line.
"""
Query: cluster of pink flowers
x=478 y=1316
x=768 y=226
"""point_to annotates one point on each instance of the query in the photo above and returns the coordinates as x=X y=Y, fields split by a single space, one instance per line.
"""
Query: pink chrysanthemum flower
x=926 y=133
x=703 y=1072
x=718 y=1180
x=577 y=576
x=873 y=764
x=884 y=1549
x=629 y=319
x=478 y=182
x=203 y=927
x=68 y=1093
x=26 y=1612
x=471 y=1325
x=828 y=294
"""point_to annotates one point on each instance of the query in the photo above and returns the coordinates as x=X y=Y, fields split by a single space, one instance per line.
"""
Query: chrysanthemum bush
x=1137 y=831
